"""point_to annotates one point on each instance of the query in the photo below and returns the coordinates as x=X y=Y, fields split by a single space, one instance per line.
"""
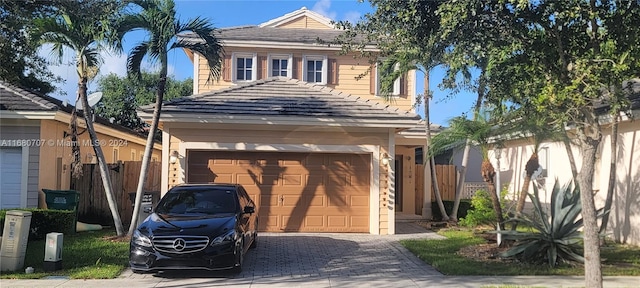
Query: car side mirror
x=249 y=209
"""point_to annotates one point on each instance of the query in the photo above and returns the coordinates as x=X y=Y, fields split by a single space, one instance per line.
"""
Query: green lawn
x=619 y=260
x=85 y=255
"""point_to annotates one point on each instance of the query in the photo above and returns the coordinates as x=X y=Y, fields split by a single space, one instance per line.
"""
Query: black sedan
x=196 y=226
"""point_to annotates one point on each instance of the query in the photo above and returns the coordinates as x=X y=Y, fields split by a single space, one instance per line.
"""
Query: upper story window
x=280 y=65
x=378 y=87
x=244 y=66
x=315 y=69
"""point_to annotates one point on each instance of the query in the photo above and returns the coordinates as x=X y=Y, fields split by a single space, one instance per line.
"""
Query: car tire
x=254 y=244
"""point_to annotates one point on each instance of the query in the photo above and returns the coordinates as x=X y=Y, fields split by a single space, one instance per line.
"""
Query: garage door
x=301 y=192
x=11 y=177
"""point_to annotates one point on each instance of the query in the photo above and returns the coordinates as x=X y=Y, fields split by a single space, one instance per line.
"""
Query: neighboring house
x=624 y=221
x=35 y=148
x=317 y=148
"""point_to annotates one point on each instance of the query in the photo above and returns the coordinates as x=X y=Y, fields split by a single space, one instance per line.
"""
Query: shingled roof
x=281 y=97
x=273 y=34
x=14 y=98
x=18 y=99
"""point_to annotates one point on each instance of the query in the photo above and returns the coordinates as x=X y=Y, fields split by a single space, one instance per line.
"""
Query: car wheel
x=239 y=261
x=254 y=244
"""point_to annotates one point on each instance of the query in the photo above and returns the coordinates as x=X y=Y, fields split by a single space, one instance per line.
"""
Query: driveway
x=319 y=260
x=325 y=260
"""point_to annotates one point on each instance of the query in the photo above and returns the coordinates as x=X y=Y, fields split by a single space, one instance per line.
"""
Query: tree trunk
x=612 y=174
x=461 y=180
x=465 y=155
x=432 y=167
x=102 y=164
x=531 y=166
x=148 y=150
x=589 y=145
x=572 y=160
x=488 y=175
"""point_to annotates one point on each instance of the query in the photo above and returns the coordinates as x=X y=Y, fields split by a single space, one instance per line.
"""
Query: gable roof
x=14 y=98
x=270 y=33
x=302 y=12
x=257 y=33
x=285 y=101
x=18 y=99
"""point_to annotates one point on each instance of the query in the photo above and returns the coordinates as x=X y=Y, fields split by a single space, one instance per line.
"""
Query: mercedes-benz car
x=196 y=226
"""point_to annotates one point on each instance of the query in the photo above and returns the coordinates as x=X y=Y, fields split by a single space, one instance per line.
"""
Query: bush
x=482 y=212
x=463 y=209
x=44 y=221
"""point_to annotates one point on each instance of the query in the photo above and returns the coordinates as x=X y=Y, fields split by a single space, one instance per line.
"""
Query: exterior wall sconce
x=385 y=159
x=173 y=157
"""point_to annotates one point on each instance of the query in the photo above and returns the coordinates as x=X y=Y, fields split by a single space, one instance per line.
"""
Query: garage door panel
x=292 y=179
x=269 y=180
x=245 y=180
x=313 y=192
x=314 y=221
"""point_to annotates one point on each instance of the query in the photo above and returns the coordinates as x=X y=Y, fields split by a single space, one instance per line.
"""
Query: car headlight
x=140 y=239
x=226 y=237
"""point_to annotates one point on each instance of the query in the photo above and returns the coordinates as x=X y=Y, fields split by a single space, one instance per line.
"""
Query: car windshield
x=198 y=201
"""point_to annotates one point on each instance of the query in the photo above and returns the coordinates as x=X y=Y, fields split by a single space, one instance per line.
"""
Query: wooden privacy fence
x=447 y=178
x=93 y=206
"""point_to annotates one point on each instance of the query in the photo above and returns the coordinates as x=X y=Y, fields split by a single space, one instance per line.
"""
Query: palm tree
x=158 y=19
x=540 y=128
x=481 y=132
x=87 y=34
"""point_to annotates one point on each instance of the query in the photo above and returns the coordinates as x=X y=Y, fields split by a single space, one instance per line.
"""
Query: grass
x=85 y=255
x=618 y=260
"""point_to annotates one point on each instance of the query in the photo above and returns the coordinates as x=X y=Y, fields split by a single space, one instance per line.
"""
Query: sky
x=227 y=13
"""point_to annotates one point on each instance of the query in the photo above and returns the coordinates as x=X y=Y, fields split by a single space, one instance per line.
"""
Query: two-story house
x=314 y=144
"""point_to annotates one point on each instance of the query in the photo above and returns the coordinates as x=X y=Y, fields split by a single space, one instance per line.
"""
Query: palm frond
x=208 y=46
x=134 y=61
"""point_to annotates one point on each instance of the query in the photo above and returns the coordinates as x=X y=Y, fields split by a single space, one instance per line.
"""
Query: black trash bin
x=63 y=200
x=149 y=200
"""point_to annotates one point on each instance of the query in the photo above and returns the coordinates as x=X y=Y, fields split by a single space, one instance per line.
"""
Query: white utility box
x=15 y=236
x=53 y=252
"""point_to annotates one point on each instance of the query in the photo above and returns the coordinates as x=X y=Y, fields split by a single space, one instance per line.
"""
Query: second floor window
x=395 y=89
x=245 y=67
x=315 y=69
x=279 y=67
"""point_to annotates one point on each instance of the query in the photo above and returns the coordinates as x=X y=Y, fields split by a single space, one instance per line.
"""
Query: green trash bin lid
x=61 y=199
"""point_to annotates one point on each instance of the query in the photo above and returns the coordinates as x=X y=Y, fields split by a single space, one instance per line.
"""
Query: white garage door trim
x=373 y=150
x=24 y=173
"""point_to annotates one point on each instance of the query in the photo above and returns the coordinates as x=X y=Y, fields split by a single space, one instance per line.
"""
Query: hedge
x=44 y=221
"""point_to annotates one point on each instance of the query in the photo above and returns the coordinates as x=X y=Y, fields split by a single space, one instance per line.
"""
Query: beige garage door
x=305 y=192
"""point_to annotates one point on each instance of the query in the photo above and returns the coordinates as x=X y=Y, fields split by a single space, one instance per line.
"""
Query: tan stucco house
x=624 y=221
x=35 y=148
x=317 y=148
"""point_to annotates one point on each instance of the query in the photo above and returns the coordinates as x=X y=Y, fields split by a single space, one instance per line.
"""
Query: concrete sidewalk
x=325 y=281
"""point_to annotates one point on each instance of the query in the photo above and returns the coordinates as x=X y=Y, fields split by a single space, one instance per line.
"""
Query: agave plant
x=554 y=236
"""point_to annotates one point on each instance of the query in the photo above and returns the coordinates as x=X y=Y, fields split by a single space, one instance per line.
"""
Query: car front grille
x=180 y=244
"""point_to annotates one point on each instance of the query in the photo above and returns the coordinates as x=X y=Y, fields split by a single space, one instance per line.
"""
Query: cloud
x=352 y=16
x=322 y=7
x=112 y=63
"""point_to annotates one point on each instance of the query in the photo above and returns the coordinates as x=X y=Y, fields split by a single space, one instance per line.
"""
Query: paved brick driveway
x=321 y=257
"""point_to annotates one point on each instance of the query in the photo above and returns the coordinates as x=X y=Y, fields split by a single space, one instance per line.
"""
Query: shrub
x=45 y=221
x=482 y=212
x=555 y=237
x=463 y=209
